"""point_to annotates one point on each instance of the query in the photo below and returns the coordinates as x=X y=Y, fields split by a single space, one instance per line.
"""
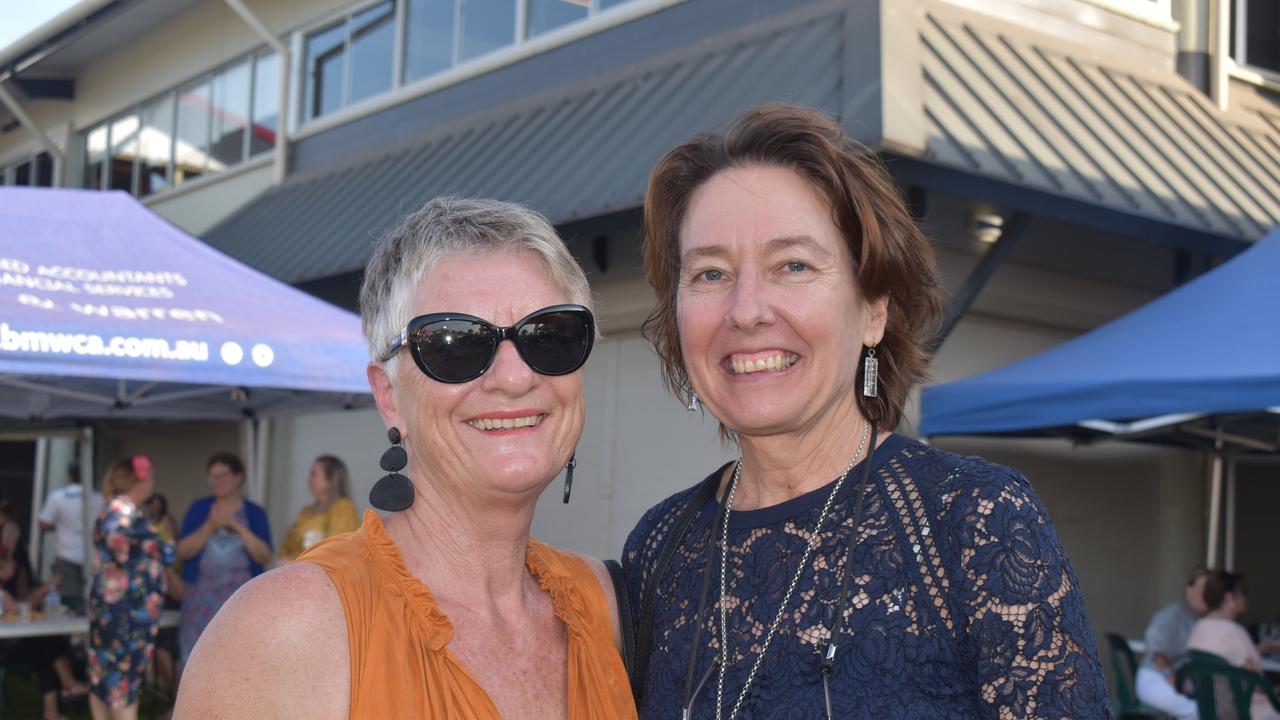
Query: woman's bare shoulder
x=278 y=648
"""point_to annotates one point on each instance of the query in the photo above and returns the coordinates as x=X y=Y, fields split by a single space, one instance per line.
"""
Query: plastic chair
x=1124 y=668
x=1221 y=690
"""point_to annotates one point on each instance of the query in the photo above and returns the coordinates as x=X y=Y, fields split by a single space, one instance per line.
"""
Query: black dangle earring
x=393 y=492
x=568 y=476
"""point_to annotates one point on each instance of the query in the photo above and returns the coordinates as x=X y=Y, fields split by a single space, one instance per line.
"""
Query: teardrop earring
x=568 y=476
x=394 y=492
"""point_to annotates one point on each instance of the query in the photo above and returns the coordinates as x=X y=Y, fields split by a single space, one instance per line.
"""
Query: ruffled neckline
x=553 y=577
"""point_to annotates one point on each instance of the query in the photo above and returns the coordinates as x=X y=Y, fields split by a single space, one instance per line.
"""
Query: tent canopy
x=108 y=311
x=1210 y=347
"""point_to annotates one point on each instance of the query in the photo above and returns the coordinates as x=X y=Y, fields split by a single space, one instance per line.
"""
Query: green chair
x=1221 y=690
x=1124 y=667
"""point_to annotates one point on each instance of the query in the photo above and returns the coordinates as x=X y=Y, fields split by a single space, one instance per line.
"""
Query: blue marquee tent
x=108 y=311
x=1208 y=348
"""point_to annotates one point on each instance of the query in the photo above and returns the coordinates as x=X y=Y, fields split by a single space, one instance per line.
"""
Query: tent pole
x=1215 y=504
x=248 y=439
x=263 y=445
x=1229 y=542
x=86 y=508
x=39 y=478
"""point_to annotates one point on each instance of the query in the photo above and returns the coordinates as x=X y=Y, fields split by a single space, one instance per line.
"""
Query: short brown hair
x=1219 y=585
x=335 y=471
x=891 y=256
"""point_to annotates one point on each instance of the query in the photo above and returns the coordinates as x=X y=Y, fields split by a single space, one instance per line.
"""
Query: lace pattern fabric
x=962 y=603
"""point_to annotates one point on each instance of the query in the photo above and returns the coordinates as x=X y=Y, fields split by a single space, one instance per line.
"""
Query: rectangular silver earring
x=870 y=374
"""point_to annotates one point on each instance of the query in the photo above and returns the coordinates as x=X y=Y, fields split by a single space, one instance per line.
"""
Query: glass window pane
x=372 y=48
x=154 y=145
x=124 y=148
x=1262 y=33
x=266 y=103
x=95 y=155
x=324 y=70
x=230 y=116
x=22 y=174
x=428 y=38
x=486 y=26
x=43 y=170
x=547 y=15
x=605 y=4
x=191 y=146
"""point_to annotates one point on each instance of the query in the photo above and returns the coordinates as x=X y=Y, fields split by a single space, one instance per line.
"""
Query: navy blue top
x=199 y=512
x=962 y=603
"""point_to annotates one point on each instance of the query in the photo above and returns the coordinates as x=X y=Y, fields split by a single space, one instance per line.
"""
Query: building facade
x=1070 y=159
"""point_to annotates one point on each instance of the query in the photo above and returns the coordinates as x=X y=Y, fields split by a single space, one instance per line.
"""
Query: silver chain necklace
x=786 y=599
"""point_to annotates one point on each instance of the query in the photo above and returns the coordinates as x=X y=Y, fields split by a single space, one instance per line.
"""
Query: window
x=95 y=157
x=428 y=38
x=353 y=59
x=229 y=116
x=210 y=124
x=485 y=26
x=124 y=150
x=547 y=15
x=1256 y=40
x=266 y=103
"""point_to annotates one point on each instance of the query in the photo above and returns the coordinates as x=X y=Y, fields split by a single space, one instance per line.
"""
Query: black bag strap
x=626 y=621
x=648 y=595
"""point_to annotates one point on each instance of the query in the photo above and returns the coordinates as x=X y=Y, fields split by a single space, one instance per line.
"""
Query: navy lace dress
x=962 y=603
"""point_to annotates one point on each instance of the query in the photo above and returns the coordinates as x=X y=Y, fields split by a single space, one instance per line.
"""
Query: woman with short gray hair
x=450 y=608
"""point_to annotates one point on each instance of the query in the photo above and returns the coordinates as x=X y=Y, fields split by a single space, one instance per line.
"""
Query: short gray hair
x=452 y=227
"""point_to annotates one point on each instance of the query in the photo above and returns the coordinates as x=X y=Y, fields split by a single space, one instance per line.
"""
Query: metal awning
x=1008 y=104
x=959 y=98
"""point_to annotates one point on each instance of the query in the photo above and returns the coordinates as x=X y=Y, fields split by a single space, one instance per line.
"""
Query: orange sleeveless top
x=401 y=666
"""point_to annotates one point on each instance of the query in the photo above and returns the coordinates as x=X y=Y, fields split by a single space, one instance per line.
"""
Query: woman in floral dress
x=127 y=592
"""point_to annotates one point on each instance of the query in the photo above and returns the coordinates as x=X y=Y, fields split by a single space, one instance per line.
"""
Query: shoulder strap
x=626 y=621
x=648 y=595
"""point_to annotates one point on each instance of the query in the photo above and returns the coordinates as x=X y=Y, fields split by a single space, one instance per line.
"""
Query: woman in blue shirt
x=863 y=574
x=225 y=541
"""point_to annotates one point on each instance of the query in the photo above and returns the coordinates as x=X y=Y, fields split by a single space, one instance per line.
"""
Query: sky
x=19 y=17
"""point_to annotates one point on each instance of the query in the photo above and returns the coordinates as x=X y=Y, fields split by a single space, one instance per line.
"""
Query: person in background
x=50 y=655
x=332 y=513
x=157 y=510
x=1220 y=632
x=15 y=561
x=226 y=539
x=127 y=591
x=63 y=514
x=1166 y=639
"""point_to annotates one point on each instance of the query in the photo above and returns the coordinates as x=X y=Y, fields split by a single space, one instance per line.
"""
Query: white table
x=68 y=626
x=1270 y=663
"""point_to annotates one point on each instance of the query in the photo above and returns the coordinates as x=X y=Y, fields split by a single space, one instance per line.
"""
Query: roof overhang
x=964 y=102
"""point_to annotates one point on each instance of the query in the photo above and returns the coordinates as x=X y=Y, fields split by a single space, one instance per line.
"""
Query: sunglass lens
x=556 y=343
x=455 y=350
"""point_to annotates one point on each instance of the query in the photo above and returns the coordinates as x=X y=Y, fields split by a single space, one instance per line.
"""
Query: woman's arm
x=259 y=551
x=192 y=544
x=9 y=536
x=278 y=648
x=1021 y=605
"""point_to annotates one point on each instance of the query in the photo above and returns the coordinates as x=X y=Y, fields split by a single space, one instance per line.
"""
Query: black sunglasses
x=457 y=348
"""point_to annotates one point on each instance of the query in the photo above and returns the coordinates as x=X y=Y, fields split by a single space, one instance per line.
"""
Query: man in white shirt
x=1166 y=640
x=64 y=514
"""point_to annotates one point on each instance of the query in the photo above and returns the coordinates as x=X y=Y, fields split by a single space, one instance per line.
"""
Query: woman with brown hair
x=127 y=591
x=838 y=569
x=331 y=514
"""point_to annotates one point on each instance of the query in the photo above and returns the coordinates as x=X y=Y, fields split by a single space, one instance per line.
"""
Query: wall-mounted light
x=985 y=223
